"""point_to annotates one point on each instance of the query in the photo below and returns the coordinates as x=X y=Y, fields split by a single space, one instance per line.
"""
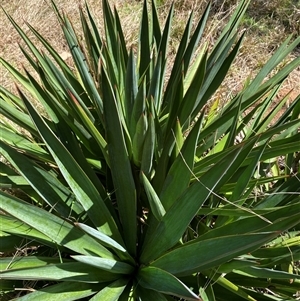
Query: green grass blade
x=66 y=291
x=148 y=148
x=216 y=75
x=73 y=271
x=12 y=179
x=281 y=195
x=235 y=19
x=246 y=176
x=289 y=114
x=177 y=71
x=276 y=221
x=185 y=260
x=235 y=291
x=144 y=44
x=236 y=264
x=13 y=113
x=73 y=145
x=204 y=296
x=185 y=207
x=9 y=242
x=190 y=76
x=96 y=34
x=189 y=100
x=127 y=292
x=65 y=87
x=179 y=140
x=12 y=226
x=232 y=132
x=112 y=266
x=87 y=122
x=161 y=281
x=150 y=295
x=84 y=190
x=276 y=253
x=166 y=142
x=121 y=38
x=275 y=148
x=227 y=210
x=155 y=24
x=131 y=90
x=11 y=98
x=157 y=209
x=82 y=67
x=31 y=46
x=65 y=113
x=92 y=47
x=250 y=95
x=156 y=84
x=179 y=175
x=22 y=262
x=45 y=184
x=21 y=79
x=163 y=46
x=283 y=133
x=112 y=291
x=184 y=55
x=63 y=65
x=110 y=29
x=104 y=239
x=45 y=98
x=30 y=148
x=38 y=56
x=139 y=106
x=196 y=37
x=266 y=273
x=52 y=226
x=276 y=58
x=121 y=75
x=138 y=140
x=119 y=161
x=221 y=125
x=261 y=120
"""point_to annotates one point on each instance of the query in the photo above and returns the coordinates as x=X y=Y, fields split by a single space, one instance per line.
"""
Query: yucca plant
x=132 y=185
